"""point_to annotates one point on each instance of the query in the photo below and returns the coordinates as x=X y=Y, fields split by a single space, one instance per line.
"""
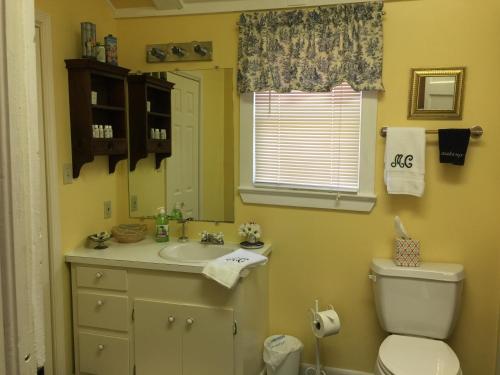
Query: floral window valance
x=311 y=50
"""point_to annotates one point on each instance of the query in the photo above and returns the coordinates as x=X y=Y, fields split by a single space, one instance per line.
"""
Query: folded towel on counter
x=226 y=270
x=405 y=161
x=453 y=145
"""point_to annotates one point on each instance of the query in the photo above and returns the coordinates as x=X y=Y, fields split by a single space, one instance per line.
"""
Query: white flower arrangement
x=251 y=231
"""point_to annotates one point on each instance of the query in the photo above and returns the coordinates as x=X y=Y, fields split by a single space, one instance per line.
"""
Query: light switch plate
x=67 y=173
x=107 y=209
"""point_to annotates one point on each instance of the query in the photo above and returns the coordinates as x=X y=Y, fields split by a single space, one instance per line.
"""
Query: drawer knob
x=189 y=321
x=100 y=302
x=100 y=347
x=171 y=319
x=98 y=275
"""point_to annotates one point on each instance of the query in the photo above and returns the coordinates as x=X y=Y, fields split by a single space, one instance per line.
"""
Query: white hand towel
x=405 y=161
x=226 y=269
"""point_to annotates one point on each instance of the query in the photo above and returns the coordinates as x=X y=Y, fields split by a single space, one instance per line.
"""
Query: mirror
x=436 y=93
x=200 y=172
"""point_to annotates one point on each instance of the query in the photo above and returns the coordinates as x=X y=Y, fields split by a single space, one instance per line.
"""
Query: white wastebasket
x=282 y=355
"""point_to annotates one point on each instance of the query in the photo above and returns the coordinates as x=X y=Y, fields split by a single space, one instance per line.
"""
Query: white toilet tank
x=421 y=301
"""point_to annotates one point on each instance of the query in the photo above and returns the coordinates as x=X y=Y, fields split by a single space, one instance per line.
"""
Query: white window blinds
x=308 y=140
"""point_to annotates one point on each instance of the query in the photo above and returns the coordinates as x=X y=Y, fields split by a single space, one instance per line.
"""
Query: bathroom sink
x=195 y=252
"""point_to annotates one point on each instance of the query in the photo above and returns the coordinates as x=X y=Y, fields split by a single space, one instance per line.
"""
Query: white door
x=182 y=167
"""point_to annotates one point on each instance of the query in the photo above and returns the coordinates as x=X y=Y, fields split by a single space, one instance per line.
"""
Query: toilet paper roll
x=325 y=323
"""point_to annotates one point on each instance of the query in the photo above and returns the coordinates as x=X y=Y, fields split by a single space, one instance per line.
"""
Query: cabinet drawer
x=103 y=355
x=101 y=278
x=103 y=311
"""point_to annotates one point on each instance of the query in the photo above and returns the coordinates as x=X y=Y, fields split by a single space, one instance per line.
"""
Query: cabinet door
x=158 y=340
x=207 y=341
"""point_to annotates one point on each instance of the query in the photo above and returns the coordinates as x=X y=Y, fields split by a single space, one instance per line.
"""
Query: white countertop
x=142 y=254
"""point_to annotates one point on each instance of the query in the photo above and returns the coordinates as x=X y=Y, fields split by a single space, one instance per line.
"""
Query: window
x=309 y=149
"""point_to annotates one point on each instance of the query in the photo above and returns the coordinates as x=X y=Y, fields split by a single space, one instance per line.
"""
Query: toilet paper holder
x=317 y=370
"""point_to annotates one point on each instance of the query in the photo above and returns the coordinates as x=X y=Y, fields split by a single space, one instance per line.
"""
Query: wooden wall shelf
x=85 y=76
x=141 y=89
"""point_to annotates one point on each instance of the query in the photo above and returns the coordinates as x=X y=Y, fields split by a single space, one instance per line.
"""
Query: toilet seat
x=407 y=355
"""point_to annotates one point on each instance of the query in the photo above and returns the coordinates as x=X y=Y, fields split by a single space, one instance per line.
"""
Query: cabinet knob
x=100 y=302
x=98 y=275
x=171 y=319
x=100 y=347
x=189 y=321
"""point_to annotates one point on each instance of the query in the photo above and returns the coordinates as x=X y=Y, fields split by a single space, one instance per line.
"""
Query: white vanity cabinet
x=183 y=339
x=152 y=318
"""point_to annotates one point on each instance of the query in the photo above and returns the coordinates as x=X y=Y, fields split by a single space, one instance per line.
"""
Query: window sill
x=310 y=199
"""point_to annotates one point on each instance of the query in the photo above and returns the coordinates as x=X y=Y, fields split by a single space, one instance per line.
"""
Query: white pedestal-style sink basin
x=195 y=252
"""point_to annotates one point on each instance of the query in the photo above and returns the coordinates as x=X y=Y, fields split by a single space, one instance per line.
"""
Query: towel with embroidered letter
x=405 y=161
x=226 y=270
x=453 y=145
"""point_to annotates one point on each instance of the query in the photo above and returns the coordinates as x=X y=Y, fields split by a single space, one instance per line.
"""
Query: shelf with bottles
x=97 y=97
x=149 y=118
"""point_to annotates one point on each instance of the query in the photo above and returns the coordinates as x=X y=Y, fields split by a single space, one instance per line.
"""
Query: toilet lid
x=405 y=355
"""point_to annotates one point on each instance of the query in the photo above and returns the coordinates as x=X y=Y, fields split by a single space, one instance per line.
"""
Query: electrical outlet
x=107 y=209
x=133 y=203
x=67 y=173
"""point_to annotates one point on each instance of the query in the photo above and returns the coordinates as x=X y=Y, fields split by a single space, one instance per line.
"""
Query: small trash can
x=282 y=355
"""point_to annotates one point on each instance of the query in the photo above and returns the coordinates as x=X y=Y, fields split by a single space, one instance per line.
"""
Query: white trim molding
x=223 y=6
x=362 y=201
x=58 y=274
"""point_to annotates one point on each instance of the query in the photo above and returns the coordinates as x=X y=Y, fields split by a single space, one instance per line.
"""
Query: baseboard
x=331 y=371
x=328 y=371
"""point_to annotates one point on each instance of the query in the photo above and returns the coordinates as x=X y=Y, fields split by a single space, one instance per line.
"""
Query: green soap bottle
x=161 y=234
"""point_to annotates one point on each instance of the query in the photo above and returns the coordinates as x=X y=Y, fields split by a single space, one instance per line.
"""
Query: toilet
x=418 y=306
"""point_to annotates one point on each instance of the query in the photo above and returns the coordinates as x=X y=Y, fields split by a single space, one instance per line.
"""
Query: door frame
x=18 y=142
x=58 y=350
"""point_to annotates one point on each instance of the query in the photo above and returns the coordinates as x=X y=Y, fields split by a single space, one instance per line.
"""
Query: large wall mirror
x=200 y=172
x=436 y=93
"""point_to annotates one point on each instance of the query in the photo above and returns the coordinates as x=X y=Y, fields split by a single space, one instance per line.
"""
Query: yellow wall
x=82 y=211
x=326 y=254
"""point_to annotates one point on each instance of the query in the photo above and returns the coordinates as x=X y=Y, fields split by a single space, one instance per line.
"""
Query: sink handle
x=171 y=319
x=189 y=321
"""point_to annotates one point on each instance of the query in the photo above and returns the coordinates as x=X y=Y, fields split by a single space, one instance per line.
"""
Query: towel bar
x=475 y=131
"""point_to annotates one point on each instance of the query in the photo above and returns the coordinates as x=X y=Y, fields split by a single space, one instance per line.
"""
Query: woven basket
x=128 y=233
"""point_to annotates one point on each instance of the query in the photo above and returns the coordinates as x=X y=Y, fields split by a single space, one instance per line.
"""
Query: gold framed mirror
x=436 y=93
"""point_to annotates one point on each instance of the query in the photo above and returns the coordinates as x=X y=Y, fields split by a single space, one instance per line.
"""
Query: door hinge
x=133 y=314
x=235 y=328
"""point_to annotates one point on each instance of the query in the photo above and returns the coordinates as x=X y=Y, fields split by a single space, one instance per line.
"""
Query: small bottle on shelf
x=152 y=133
x=110 y=131
x=148 y=106
x=95 y=131
x=101 y=132
x=163 y=133
x=157 y=133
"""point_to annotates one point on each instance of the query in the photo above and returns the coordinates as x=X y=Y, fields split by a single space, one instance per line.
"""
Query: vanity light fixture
x=172 y=52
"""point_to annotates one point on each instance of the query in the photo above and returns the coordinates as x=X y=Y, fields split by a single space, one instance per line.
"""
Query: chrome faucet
x=183 y=221
x=212 y=238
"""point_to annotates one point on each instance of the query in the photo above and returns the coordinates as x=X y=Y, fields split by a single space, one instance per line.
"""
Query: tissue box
x=407 y=252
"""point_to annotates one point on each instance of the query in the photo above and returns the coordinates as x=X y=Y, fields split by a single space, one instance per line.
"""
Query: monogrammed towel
x=453 y=145
x=226 y=270
x=405 y=161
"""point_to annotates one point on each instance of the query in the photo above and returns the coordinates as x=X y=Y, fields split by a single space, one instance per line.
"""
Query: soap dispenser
x=161 y=234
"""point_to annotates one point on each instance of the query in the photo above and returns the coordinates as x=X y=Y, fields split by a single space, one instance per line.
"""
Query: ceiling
x=152 y=8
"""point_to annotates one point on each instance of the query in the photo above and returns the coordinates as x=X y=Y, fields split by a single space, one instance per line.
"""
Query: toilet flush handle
x=372 y=277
